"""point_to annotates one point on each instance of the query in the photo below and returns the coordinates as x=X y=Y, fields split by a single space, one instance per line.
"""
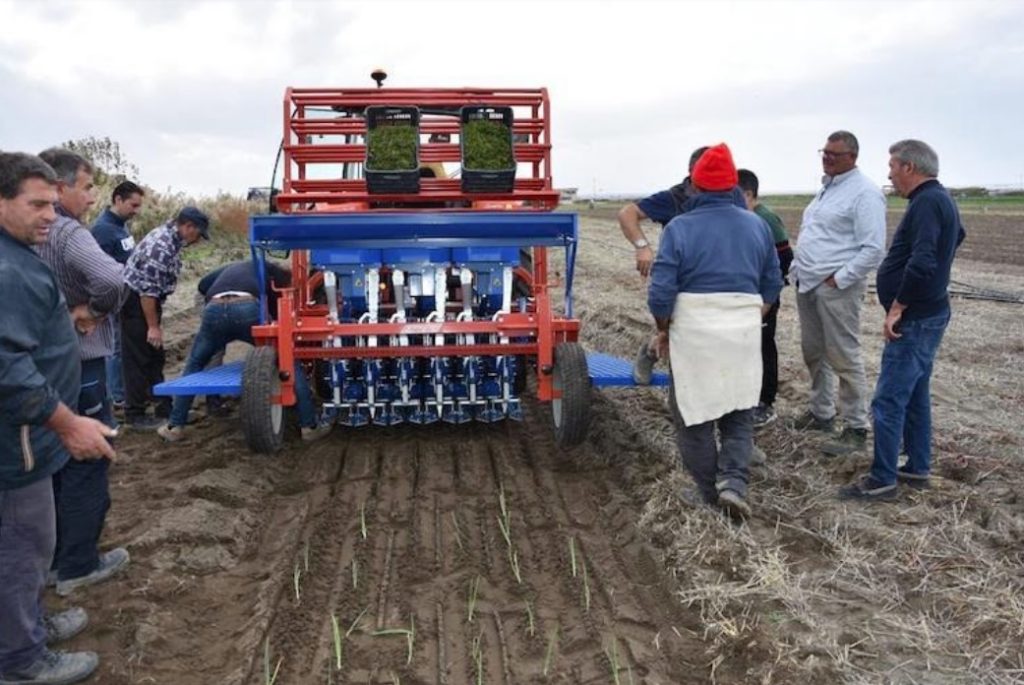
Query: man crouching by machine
x=714 y=277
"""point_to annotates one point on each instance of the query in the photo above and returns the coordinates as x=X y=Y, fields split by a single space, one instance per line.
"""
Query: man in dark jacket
x=913 y=288
x=39 y=380
x=86 y=276
x=715 y=276
x=111 y=232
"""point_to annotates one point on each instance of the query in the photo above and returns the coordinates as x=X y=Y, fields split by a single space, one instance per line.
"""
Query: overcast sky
x=192 y=90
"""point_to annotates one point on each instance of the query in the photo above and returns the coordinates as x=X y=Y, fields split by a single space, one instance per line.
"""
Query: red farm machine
x=419 y=294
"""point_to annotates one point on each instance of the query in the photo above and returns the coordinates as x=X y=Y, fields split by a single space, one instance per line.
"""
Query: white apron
x=715 y=349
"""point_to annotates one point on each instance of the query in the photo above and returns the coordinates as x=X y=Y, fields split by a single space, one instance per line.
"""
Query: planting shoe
x=65 y=625
x=110 y=563
x=733 y=504
x=867 y=489
x=917 y=481
x=849 y=441
x=171 y=433
x=643 y=365
x=314 y=433
x=763 y=415
x=809 y=422
x=54 y=668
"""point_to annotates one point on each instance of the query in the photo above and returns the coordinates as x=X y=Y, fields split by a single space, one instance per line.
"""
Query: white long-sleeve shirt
x=842 y=232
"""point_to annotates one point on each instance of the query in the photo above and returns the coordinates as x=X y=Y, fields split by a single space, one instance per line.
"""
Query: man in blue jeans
x=232 y=309
x=913 y=284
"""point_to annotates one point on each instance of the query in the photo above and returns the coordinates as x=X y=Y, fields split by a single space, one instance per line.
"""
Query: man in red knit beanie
x=714 y=277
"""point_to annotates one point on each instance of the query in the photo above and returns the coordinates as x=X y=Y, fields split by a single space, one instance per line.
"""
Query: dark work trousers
x=142 y=364
x=81 y=489
x=769 y=357
x=714 y=469
x=27 y=532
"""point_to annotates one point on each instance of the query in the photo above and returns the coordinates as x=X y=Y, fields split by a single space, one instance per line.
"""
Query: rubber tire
x=262 y=420
x=570 y=415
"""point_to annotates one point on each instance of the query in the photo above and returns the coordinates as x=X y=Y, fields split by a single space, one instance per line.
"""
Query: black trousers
x=81 y=489
x=141 y=363
x=769 y=357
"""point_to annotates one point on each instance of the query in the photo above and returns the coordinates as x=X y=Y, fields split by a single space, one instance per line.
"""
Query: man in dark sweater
x=111 y=232
x=39 y=432
x=912 y=285
x=232 y=309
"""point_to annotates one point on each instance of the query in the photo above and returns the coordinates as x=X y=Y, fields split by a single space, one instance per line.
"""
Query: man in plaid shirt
x=151 y=275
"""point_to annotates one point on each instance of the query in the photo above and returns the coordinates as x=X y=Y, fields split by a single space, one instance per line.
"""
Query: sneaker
x=733 y=504
x=809 y=422
x=643 y=365
x=110 y=563
x=917 y=481
x=65 y=625
x=314 y=433
x=171 y=433
x=763 y=415
x=867 y=488
x=54 y=668
x=849 y=441
x=144 y=423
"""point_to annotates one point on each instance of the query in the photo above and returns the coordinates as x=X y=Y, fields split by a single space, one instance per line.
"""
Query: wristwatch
x=641 y=244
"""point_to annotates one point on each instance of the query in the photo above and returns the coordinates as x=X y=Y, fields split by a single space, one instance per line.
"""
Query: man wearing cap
x=90 y=277
x=152 y=275
x=715 y=276
x=841 y=239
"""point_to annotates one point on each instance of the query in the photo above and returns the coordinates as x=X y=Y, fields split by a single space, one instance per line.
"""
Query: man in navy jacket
x=912 y=284
x=39 y=381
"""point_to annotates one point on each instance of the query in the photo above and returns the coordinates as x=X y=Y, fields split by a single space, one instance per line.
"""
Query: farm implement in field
x=417 y=297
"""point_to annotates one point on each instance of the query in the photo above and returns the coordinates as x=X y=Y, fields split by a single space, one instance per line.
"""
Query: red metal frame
x=302 y=326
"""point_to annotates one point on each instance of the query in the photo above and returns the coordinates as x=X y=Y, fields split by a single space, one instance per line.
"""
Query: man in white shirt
x=841 y=240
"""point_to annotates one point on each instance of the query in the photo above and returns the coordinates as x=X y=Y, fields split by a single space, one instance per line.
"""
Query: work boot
x=763 y=415
x=734 y=505
x=54 y=668
x=849 y=441
x=110 y=563
x=809 y=422
x=314 y=433
x=171 y=433
x=867 y=489
x=643 y=365
x=65 y=625
x=917 y=481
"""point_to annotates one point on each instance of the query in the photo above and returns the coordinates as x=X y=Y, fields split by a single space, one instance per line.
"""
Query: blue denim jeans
x=115 y=382
x=901 y=408
x=223 y=323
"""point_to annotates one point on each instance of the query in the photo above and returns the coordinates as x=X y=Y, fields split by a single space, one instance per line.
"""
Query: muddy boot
x=65 y=625
x=643 y=365
x=734 y=505
x=54 y=668
x=849 y=441
x=809 y=422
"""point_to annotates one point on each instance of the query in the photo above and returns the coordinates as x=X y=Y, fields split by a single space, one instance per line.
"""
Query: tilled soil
x=485 y=554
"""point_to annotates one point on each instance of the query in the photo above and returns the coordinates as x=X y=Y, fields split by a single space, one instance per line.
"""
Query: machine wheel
x=262 y=420
x=571 y=412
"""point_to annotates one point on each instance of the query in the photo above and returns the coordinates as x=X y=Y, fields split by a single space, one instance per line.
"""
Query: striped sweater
x=86 y=275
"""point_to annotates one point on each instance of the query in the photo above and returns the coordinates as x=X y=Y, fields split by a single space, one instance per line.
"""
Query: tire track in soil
x=435 y=503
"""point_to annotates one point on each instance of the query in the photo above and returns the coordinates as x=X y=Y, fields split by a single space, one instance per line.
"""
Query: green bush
x=391 y=147
x=487 y=145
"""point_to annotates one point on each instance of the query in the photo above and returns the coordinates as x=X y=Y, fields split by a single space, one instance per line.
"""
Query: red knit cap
x=715 y=170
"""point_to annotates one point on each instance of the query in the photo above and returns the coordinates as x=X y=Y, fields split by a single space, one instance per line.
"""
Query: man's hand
x=84 y=438
x=831 y=281
x=83 y=321
x=661 y=344
x=644 y=260
x=892 y=320
x=155 y=337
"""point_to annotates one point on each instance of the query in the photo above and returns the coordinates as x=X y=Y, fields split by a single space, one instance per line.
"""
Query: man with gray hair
x=913 y=287
x=87 y=276
x=841 y=239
